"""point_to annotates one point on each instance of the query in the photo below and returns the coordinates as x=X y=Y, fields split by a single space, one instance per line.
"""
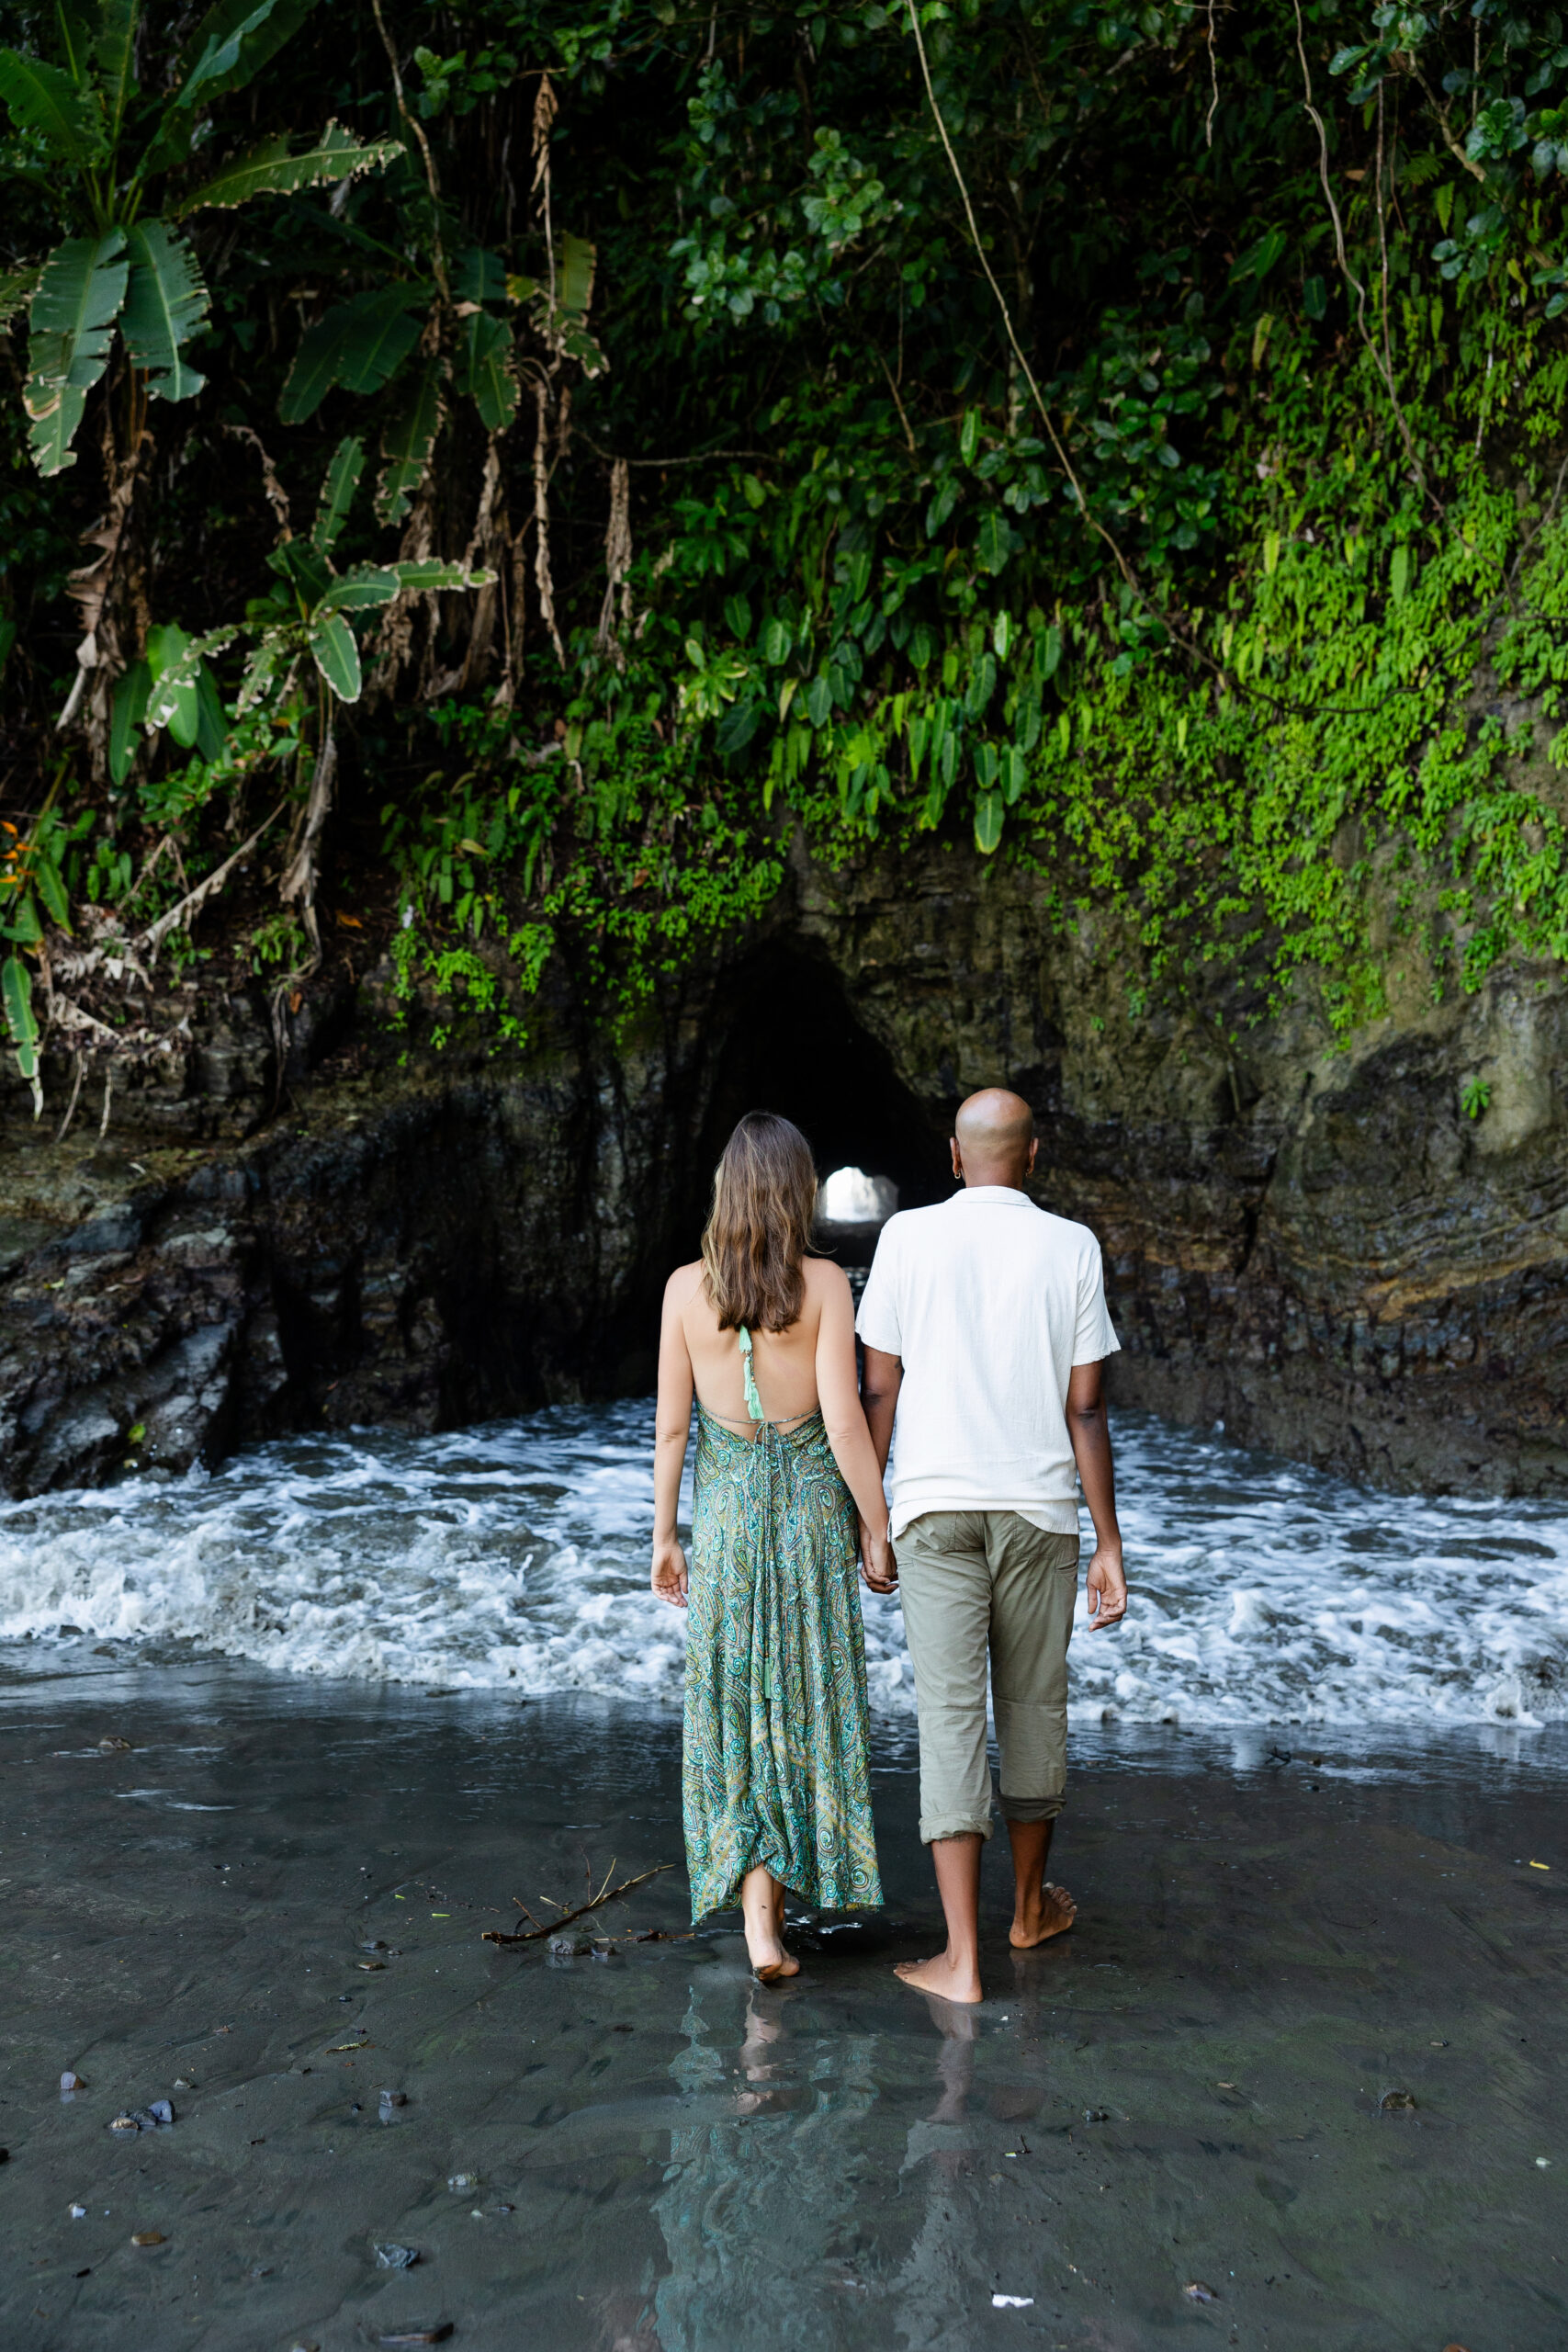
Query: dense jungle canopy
x=479 y=481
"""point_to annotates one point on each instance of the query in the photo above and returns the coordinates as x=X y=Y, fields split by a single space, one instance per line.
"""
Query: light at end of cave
x=848 y=1196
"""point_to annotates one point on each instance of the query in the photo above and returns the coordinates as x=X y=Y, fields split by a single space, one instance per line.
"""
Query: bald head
x=993 y=1140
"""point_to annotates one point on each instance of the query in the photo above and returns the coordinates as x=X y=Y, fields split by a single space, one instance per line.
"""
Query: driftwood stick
x=607 y=1893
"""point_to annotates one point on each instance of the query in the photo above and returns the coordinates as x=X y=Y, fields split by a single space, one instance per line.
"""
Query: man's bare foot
x=940 y=1976
x=1051 y=1914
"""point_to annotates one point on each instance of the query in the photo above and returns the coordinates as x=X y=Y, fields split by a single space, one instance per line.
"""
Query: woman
x=777 y=1790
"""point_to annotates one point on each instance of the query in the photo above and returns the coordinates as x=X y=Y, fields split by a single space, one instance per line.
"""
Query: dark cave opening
x=791 y=1043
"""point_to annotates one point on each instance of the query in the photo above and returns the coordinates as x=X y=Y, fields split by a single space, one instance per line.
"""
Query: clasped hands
x=877 y=1564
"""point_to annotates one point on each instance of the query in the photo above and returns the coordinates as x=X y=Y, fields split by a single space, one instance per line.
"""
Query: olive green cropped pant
x=979 y=1581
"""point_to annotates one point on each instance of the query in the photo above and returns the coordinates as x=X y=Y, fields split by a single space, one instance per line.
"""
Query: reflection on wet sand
x=759 y=2210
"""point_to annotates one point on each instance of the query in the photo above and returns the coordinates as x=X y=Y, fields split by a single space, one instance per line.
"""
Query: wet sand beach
x=1277 y=1934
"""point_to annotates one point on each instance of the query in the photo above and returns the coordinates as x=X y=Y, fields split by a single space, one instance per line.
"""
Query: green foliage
x=1219 y=581
x=104 y=141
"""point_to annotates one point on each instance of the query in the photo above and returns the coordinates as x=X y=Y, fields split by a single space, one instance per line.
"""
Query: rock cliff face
x=1317 y=1247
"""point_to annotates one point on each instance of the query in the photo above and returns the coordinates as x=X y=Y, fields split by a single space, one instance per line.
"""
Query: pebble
x=569 y=1947
x=391 y=2257
x=147 y=2237
x=114 y=1746
x=370 y=1966
x=1196 y=2292
x=182 y=2083
x=1396 y=2102
x=71 y=2081
x=436 y=2334
x=461 y=2180
x=78 y=2213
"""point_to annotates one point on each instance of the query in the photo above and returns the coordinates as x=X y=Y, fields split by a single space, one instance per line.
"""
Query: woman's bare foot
x=761 y=1906
x=943 y=1977
x=1050 y=1913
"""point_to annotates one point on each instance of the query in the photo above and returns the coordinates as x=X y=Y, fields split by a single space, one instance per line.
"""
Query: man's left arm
x=1089 y=1430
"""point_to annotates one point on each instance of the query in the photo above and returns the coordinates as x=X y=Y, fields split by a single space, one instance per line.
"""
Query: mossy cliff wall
x=1314 y=1244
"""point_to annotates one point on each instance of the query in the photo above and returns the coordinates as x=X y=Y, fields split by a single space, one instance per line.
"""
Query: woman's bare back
x=785 y=1363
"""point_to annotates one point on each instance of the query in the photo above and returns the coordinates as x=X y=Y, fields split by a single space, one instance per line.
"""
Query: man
x=986 y=1327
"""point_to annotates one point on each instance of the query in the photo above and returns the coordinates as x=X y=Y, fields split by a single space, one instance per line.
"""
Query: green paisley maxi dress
x=776 y=1722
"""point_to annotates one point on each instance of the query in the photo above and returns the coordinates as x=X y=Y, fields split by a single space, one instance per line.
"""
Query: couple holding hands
x=985 y=1328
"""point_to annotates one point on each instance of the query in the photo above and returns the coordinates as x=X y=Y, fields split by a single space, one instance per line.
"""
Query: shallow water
x=514 y=1556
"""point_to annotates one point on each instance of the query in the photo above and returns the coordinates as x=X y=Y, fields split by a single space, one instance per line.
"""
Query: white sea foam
x=515 y=1555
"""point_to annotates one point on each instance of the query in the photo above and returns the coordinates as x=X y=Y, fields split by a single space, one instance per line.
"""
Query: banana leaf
x=129 y=708
x=232 y=44
x=165 y=304
x=360 y=344
x=272 y=170
x=337 y=656
x=113 y=54
x=337 y=492
x=40 y=98
x=487 y=376
x=72 y=320
x=176 y=662
x=407 y=443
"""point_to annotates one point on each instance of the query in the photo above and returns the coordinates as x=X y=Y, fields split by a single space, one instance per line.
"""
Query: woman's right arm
x=838 y=1393
x=672 y=1423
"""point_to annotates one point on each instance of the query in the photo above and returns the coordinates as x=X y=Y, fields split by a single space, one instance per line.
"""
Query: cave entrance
x=791 y=1044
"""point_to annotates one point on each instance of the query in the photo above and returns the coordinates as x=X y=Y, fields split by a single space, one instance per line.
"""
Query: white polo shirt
x=989 y=1301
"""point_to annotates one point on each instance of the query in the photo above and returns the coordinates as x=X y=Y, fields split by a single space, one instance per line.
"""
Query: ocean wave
x=515 y=1555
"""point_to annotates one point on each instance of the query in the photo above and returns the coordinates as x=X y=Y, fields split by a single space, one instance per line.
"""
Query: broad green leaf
x=360 y=343
x=574 y=279
x=987 y=765
x=24 y=926
x=271 y=170
x=480 y=277
x=174 y=694
x=50 y=884
x=175 y=661
x=1048 y=652
x=407 y=443
x=130 y=710
x=114 y=53
x=306 y=569
x=969 y=435
x=337 y=492
x=43 y=98
x=1003 y=632
x=989 y=818
x=1399 y=575
x=362 y=590
x=1015 y=772
x=337 y=656
x=996 y=541
x=487 y=376
x=819 y=701
x=232 y=44
x=17 y=993
x=165 y=304
x=72 y=321
x=211 y=719
x=777 y=639
x=377 y=583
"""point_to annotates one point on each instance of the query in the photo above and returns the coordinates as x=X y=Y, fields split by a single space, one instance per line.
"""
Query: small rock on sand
x=148 y=2237
x=391 y=2257
x=1196 y=2292
x=1396 y=2103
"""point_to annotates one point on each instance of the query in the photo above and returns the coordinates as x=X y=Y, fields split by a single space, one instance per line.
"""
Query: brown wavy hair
x=758 y=1230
